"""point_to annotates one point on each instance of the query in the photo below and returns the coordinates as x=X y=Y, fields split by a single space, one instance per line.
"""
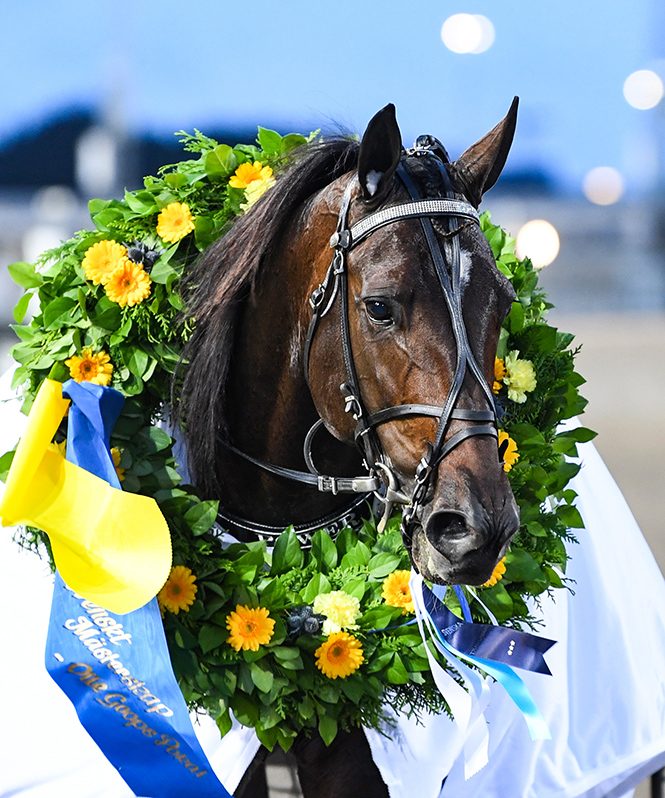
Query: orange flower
x=511 y=455
x=249 y=628
x=247 y=173
x=174 y=222
x=128 y=285
x=179 y=591
x=499 y=374
x=339 y=656
x=90 y=367
x=497 y=573
x=396 y=591
x=102 y=259
x=116 y=457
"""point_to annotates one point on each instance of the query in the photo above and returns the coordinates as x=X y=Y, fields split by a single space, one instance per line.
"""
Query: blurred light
x=539 y=241
x=41 y=237
x=96 y=162
x=467 y=33
x=643 y=89
x=603 y=185
x=55 y=204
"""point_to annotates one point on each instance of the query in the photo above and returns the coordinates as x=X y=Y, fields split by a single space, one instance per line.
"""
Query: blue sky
x=171 y=64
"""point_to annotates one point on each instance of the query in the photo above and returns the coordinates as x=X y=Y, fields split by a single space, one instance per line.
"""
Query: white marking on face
x=372 y=181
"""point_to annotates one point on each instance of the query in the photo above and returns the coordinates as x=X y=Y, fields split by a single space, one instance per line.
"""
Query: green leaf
x=291 y=141
x=570 y=516
x=5 y=464
x=356 y=586
x=520 y=566
x=245 y=709
x=379 y=617
x=24 y=274
x=274 y=595
x=285 y=653
x=359 y=554
x=515 y=319
x=553 y=576
x=287 y=553
x=327 y=728
x=21 y=308
x=162 y=271
x=498 y=600
x=323 y=551
x=138 y=362
x=211 y=636
x=353 y=689
x=141 y=202
x=224 y=722
x=58 y=312
x=397 y=672
x=201 y=516
x=383 y=564
x=261 y=677
x=220 y=162
x=106 y=314
x=319 y=583
x=270 y=141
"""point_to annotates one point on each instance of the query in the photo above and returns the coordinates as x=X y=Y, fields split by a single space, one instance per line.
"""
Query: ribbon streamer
x=489 y=648
x=114 y=548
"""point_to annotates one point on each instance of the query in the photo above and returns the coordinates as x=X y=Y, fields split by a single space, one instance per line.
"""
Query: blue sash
x=116 y=669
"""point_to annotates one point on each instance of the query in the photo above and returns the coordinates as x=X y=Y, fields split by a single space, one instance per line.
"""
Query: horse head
x=421 y=346
x=404 y=313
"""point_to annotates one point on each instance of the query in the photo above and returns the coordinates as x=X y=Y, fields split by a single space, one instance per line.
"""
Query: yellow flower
x=497 y=573
x=102 y=259
x=340 y=610
x=499 y=374
x=249 y=628
x=396 y=591
x=174 y=222
x=248 y=173
x=511 y=455
x=520 y=377
x=179 y=591
x=128 y=285
x=339 y=656
x=257 y=189
x=116 y=456
x=90 y=367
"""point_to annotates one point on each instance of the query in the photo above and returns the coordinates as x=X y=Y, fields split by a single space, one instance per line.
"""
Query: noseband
x=382 y=481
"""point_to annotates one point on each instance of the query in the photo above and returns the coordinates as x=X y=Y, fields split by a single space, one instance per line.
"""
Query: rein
x=381 y=480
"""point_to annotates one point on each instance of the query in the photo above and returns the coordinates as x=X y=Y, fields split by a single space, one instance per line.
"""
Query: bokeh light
x=467 y=33
x=643 y=89
x=538 y=240
x=603 y=185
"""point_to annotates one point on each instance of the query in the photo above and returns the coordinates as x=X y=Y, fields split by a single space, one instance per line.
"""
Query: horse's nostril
x=445 y=525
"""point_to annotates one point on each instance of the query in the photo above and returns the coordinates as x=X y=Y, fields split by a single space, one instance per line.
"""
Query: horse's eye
x=379 y=311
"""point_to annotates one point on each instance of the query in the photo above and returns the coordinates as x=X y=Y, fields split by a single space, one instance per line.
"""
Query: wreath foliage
x=278 y=689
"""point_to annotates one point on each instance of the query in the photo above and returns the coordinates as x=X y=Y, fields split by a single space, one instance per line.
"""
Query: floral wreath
x=292 y=639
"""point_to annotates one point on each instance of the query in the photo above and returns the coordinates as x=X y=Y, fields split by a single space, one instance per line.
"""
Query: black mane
x=216 y=287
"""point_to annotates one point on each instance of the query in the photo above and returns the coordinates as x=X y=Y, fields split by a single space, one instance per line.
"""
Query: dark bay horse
x=364 y=267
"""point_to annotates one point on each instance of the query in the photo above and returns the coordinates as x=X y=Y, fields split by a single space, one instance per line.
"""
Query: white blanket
x=605 y=703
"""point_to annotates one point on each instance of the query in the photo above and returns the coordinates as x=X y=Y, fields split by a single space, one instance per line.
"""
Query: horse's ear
x=380 y=151
x=478 y=169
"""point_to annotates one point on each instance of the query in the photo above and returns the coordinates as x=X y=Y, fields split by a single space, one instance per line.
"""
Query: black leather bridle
x=381 y=479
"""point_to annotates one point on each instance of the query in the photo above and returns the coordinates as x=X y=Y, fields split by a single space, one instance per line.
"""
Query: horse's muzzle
x=458 y=548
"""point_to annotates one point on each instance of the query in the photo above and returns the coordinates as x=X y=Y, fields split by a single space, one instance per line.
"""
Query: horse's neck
x=270 y=407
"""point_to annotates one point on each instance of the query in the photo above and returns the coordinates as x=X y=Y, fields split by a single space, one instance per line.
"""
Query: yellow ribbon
x=111 y=547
